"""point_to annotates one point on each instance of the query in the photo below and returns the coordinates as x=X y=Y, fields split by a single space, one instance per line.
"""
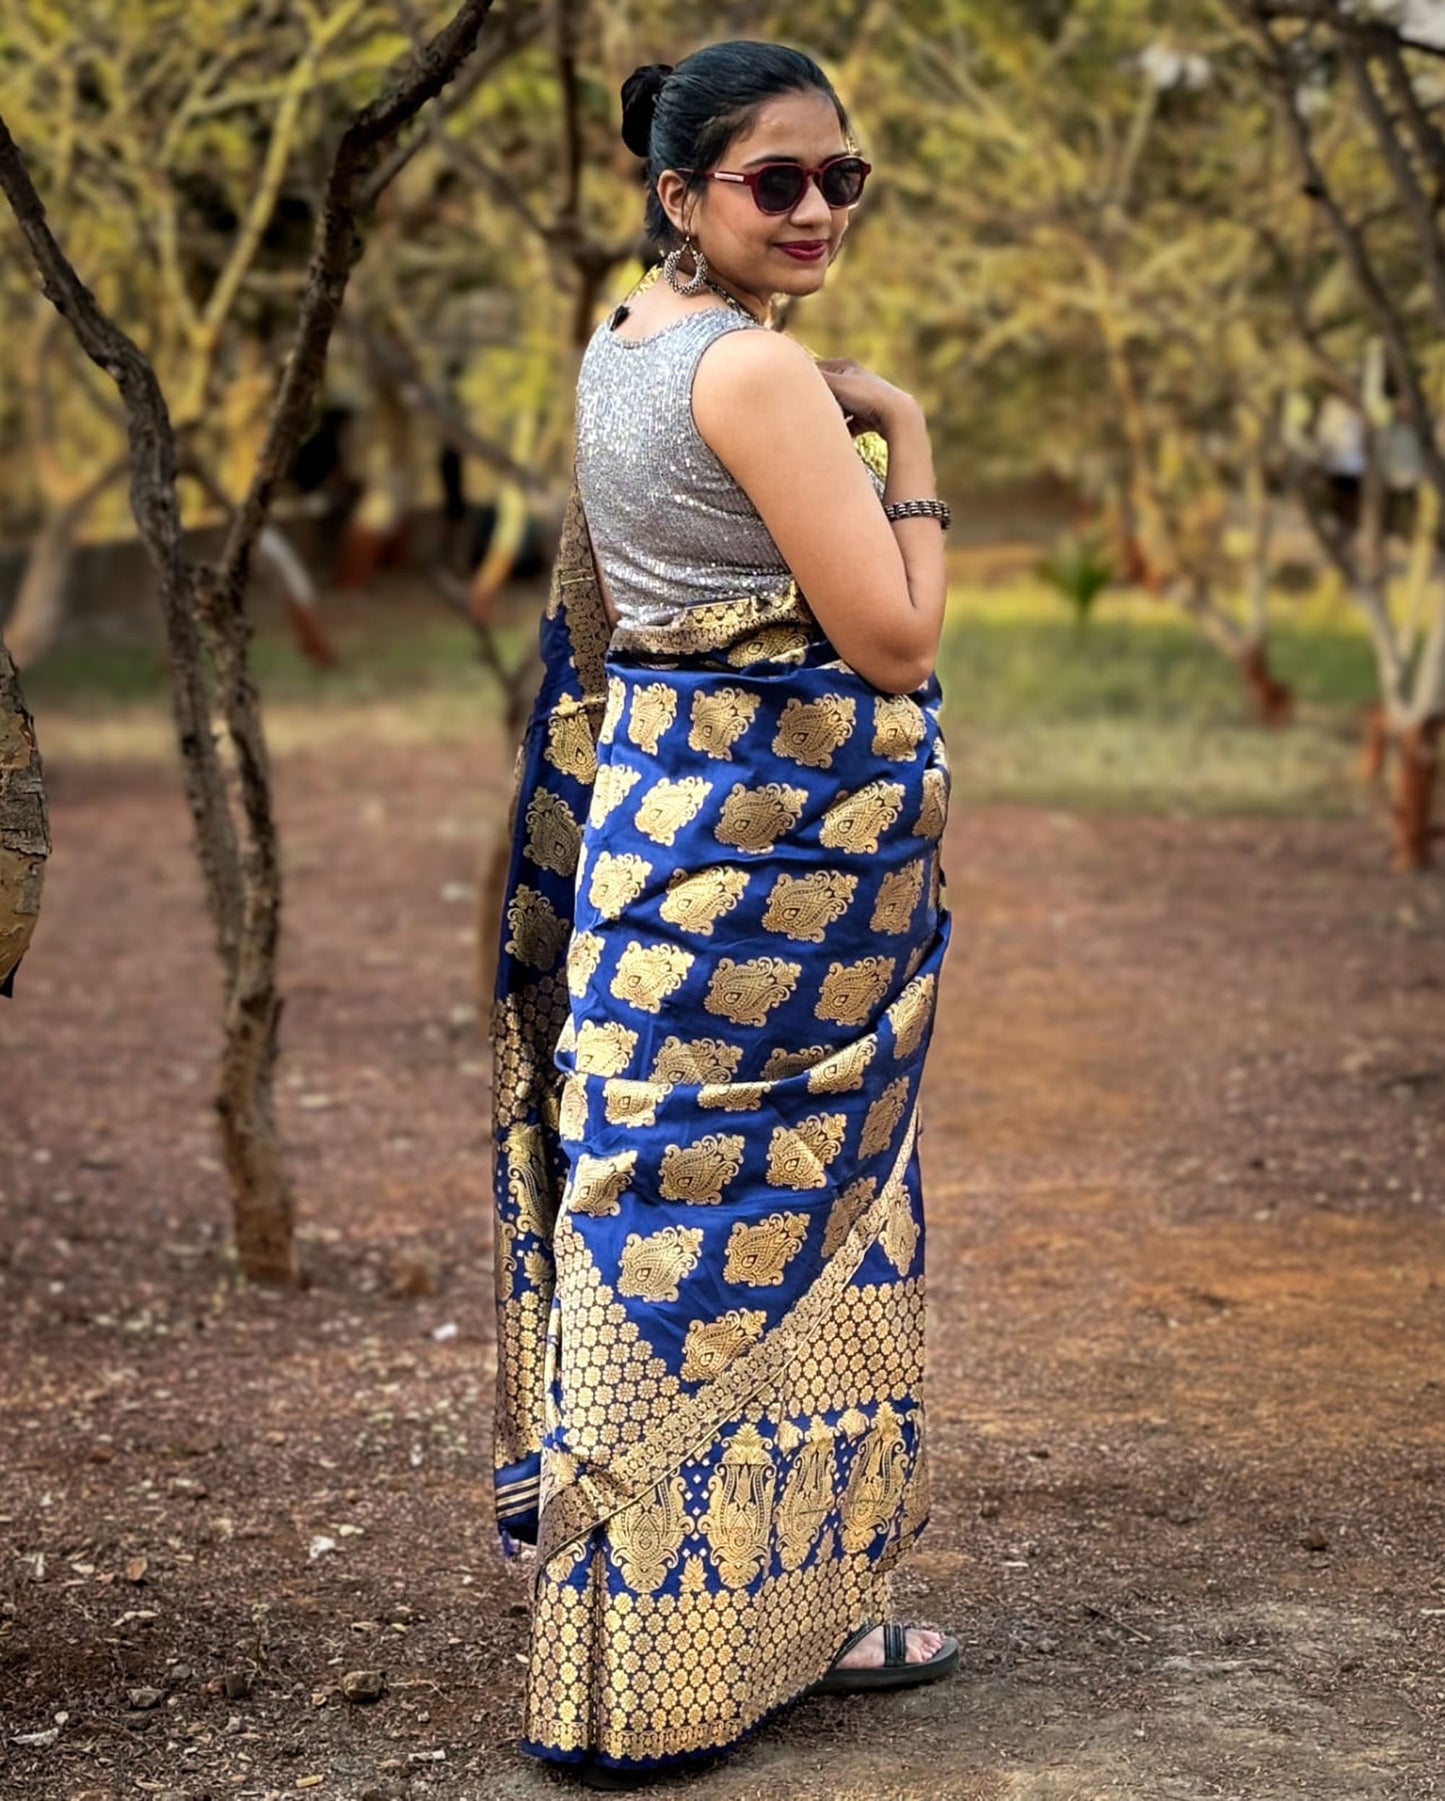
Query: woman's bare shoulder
x=743 y=376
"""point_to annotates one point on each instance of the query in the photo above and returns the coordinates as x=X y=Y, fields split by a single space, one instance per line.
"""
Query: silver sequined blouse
x=670 y=526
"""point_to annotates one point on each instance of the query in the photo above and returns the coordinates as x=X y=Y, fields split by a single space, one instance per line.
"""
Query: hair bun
x=639 y=103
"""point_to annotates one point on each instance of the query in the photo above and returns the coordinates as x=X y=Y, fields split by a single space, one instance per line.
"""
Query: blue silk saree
x=723 y=931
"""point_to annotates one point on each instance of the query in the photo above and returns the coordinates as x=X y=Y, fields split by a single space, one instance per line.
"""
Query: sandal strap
x=854 y=1638
x=895 y=1644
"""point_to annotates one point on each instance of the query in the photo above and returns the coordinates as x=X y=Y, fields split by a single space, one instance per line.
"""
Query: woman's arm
x=876 y=587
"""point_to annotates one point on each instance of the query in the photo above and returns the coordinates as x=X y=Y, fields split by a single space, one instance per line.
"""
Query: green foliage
x=1078 y=567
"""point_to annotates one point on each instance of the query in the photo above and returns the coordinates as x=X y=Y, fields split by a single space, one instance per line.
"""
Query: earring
x=699 y=273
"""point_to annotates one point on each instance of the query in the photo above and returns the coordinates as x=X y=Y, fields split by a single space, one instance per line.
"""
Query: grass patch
x=1138 y=712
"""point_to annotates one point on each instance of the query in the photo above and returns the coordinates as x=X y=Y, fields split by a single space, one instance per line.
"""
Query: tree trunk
x=1271 y=699
x=264 y=1212
x=24 y=833
x=1418 y=748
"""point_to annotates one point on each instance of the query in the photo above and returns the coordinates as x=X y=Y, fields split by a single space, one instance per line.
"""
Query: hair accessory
x=699 y=272
x=926 y=509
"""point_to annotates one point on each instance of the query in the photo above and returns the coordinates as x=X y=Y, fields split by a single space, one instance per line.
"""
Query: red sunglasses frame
x=750 y=177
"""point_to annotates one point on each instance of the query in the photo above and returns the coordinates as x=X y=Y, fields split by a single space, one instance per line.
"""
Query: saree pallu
x=723 y=929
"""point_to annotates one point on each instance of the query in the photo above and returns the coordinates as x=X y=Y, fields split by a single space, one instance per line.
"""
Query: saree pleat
x=724 y=926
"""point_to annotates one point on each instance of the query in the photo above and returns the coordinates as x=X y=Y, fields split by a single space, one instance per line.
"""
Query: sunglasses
x=778 y=187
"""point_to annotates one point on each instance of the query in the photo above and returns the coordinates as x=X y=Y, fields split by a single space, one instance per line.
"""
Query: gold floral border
x=693 y=1423
x=715 y=624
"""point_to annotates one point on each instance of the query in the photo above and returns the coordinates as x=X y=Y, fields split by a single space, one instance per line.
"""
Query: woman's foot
x=867 y=1654
x=887 y=1656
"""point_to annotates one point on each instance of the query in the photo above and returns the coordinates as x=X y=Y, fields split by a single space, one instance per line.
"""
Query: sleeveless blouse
x=670 y=526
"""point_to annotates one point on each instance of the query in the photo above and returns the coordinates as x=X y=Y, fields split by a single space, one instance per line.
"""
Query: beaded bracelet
x=929 y=509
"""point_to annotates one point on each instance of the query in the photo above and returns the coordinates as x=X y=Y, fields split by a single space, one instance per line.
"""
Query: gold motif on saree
x=909 y=1016
x=504 y=1263
x=758 y=1254
x=719 y=719
x=875 y=1485
x=597 y=1184
x=527 y=1186
x=604 y=1047
x=773 y=644
x=739 y=1507
x=647 y=974
x=701 y=1170
x=652 y=1267
x=807 y=1498
x=537 y=934
x=788 y=1435
x=668 y=806
x=899 y=1236
x=612 y=713
x=615 y=781
x=853 y=1423
x=696 y=902
x=753 y=819
x=695 y=1060
x=850 y=1206
x=809 y=731
x=804 y=906
x=898 y=728
x=883 y=1117
x=781 y=1064
x=554 y=837
x=732 y=1097
x=844 y=1070
x=537 y=1266
x=569 y=741
x=852 y=990
x=572 y=1114
x=647 y=1536
x=617 y=880
x=898 y=895
x=711 y=1345
x=933 y=813
x=693 y=1580
x=856 y=822
x=654 y=707
x=747 y=992
x=798 y=1156
x=584 y=953
x=626 y=1103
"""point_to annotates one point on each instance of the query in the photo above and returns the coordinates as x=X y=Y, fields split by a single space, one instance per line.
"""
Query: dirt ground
x=1184 y=1138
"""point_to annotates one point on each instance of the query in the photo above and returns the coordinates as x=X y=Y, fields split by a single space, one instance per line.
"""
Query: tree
x=208 y=629
x=1364 y=127
x=24 y=835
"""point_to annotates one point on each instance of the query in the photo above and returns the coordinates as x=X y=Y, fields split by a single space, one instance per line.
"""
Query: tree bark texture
x=24 y=831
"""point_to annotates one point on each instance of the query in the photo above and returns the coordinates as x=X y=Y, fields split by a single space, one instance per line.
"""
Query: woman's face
x=743 y=244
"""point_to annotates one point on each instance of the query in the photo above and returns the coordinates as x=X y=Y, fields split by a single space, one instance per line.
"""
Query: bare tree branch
x=335 y=250
x=157 y=513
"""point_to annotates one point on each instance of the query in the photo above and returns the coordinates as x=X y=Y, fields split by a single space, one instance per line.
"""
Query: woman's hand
x=869 y=403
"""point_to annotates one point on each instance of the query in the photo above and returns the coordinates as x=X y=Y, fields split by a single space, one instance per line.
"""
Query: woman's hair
x=685 y=117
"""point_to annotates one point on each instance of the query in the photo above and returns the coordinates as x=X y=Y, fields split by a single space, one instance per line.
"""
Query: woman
x=724 y=929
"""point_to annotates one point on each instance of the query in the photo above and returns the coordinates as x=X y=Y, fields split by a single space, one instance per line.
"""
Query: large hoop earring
x=699 y=273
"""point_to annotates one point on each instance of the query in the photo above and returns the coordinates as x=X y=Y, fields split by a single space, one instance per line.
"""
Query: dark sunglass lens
x=779 y=188
x=843 y=183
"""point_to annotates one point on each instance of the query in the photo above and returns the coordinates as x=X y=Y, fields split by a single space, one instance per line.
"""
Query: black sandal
x=894 y=1672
